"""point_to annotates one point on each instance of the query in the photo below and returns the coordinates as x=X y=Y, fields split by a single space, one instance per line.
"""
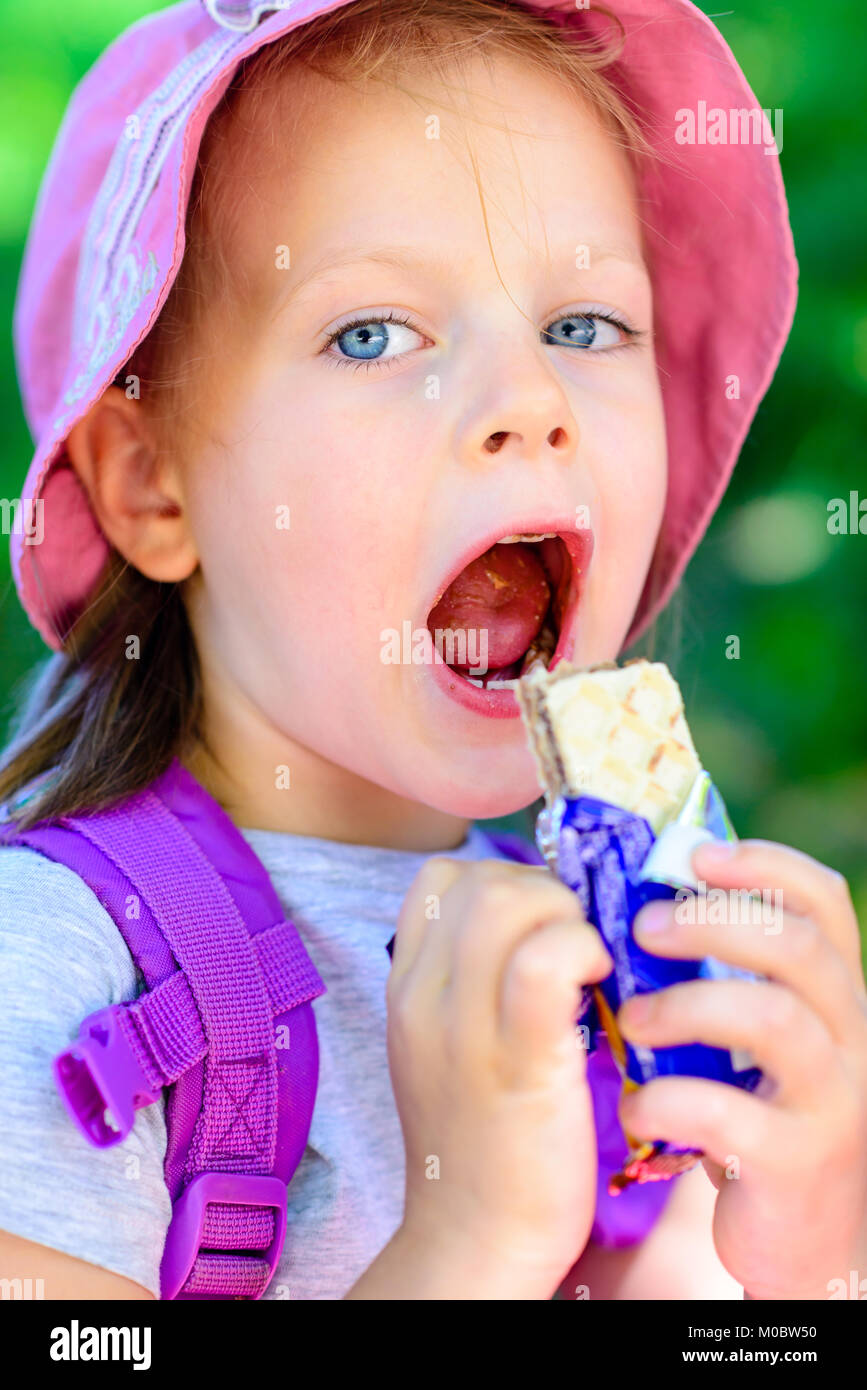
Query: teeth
x=492 y=685
x=540 y=650
x=511 y=540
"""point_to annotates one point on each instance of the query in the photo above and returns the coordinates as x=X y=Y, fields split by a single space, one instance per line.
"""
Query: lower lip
x=503 y=704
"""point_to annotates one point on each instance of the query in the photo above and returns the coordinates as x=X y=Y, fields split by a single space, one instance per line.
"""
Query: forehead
x=371 y=158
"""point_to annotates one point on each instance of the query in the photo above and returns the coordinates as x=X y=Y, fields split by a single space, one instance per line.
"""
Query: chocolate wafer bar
x=626 y=801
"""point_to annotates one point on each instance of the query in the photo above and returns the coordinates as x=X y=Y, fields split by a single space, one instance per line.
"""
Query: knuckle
x=399 y=1030
x=717 y=1116
x=568 y=901
x=408 y=1024
x=780 y=1012
x=498 y=890
x=749 y=851
x=805 y=942
x=493 y=870
x=838 y=887
x=433 y=872
x=533 y=967
x=439 y=865
x=492 y=896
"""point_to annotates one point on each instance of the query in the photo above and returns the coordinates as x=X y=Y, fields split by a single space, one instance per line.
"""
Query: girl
x=361 y=297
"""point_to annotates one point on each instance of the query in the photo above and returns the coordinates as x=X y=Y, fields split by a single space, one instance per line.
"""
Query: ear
x=136 y=496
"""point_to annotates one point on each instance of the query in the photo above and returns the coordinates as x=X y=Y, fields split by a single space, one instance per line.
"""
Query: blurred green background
x=783 y=729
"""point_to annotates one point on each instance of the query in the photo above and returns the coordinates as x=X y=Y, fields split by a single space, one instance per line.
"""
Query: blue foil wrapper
x=615 y=864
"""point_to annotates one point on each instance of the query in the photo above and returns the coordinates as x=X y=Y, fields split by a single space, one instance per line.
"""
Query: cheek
x=632 y=505
x=630 y=485
x=636 y=473
x=308 y=535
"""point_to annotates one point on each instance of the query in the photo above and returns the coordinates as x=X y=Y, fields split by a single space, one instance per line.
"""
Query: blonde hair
x=98 y=727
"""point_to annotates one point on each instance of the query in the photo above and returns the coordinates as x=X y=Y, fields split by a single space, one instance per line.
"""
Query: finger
x=720 y=1120
x=786 y=1039
x=494 y=916
x=540 y=995
x=715 y=1172
x=789 y=949
x=485 y=891
x=807 y=887
x=425 y=892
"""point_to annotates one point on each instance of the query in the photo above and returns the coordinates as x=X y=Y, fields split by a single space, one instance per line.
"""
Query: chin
x=471 y=801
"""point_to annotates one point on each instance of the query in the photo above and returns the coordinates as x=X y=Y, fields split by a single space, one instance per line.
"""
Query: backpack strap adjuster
x=101 y=1080
x=226 y=1233
x=125 y=1055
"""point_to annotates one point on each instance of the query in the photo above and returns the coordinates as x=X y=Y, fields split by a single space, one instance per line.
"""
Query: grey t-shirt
x=62 y=957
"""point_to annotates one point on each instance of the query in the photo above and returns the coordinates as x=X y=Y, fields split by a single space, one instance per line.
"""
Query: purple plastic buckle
x=184 y=1237
x=100 y=1081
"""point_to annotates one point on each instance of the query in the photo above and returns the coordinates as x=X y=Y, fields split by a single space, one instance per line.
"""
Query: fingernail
x=638 y=1009
x=716 y=851
x=655 y=917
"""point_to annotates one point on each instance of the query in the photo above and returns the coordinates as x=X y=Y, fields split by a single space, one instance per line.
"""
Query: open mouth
x=511 y=607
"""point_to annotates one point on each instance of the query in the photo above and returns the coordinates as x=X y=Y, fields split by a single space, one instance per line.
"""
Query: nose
x=524 y=413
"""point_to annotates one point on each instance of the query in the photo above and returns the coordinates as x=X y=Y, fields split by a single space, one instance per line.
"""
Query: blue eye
x=597 y=331
x=364 y=342
x=369 y=340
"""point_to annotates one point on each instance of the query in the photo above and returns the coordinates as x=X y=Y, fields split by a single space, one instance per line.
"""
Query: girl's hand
x=488 y=1073
x=789 y=1160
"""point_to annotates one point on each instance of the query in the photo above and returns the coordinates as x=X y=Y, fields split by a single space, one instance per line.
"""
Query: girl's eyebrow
x=410 y=258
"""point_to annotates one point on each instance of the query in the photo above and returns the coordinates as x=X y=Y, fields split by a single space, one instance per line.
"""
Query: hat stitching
x=118 y=207
x=225 y=12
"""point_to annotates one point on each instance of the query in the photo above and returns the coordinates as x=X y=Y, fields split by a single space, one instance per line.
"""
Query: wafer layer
x=616 y=733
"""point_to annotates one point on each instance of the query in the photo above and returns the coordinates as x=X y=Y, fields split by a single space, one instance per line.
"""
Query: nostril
x=493 y=441
x=557 y=438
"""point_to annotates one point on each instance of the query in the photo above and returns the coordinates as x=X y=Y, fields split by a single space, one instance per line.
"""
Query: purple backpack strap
x=229 y=982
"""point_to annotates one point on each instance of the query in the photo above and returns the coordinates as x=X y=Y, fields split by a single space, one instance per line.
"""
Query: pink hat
x=110 y=217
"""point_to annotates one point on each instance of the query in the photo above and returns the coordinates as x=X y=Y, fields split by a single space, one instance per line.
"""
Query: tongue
x=504 y=592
